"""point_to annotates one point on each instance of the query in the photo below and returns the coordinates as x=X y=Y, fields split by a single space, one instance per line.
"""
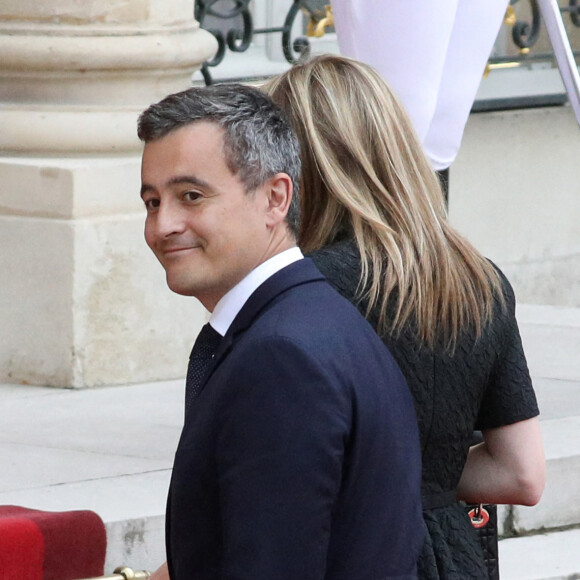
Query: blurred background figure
x=432 y=54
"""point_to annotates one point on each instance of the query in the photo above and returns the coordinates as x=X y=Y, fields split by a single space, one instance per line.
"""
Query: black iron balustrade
x=238 y=16
x=525 y=33
x=574 y=10
x=239 y=37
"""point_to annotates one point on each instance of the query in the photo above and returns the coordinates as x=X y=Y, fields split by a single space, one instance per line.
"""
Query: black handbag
x=483 y=518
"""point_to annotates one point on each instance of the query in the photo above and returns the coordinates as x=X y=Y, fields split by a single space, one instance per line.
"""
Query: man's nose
x=170 y=219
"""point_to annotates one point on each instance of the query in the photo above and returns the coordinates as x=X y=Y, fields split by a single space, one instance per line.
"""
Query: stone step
x=559 y=403
x=551 y=339
x=106 y=449
x=131 y=506
x=549 y=556
x=111 y=449
x=560 y=503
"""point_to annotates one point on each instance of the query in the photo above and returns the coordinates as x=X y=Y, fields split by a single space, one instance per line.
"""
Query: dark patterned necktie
x=200 y=358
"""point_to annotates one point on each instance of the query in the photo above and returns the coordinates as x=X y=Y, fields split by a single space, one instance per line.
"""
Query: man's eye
x=192 y=195
x=151 y=204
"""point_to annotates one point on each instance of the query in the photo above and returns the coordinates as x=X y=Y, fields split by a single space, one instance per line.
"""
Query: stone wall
x=82 y=302
x=515 y=193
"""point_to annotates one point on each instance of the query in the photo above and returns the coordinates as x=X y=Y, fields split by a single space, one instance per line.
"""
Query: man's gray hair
x=258 y=138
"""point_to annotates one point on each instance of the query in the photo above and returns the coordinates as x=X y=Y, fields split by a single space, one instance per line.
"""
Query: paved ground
x=106 y=449
x=110 y=450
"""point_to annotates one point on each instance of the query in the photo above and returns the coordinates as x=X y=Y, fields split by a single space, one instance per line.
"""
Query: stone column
x=82 y=302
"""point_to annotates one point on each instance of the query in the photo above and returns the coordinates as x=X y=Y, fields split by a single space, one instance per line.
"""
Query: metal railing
x=525 y=31
x=525 y=35
x=239 y=36
x=236 y=32
x=124 y=573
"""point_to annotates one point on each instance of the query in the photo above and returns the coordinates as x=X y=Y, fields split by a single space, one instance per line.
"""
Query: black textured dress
x=484 y=384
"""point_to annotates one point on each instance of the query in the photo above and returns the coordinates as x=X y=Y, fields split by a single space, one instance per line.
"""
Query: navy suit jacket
x=299 y=459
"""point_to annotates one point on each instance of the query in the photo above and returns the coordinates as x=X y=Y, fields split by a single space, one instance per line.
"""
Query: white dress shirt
x=232 y=302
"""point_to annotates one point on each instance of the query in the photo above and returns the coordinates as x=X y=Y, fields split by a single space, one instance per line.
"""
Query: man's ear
x=279 y=192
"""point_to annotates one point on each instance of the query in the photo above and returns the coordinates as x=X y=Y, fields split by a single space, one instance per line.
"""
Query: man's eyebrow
x=177 y=180
x=145 y=188
x=189 y=179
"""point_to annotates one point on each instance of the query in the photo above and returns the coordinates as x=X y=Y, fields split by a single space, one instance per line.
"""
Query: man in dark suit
x=299 y=458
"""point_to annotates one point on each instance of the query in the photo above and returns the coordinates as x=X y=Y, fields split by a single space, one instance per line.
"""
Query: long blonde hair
x=364 y=173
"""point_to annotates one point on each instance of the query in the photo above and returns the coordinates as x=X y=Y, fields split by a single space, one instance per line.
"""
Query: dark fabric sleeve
x=279 y=459
x=509 y=396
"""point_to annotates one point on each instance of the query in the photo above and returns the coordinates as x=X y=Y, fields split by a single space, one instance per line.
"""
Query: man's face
x=206 y=231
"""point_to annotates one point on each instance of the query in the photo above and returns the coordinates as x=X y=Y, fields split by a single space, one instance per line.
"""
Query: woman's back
x=373 y=215
x=483 y=384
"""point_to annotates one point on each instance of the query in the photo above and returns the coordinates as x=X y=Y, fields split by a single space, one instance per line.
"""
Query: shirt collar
x=232 y=302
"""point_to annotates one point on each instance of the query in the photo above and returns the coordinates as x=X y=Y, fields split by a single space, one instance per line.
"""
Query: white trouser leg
x=405 y=41
x=431 y=53
x=475 y=30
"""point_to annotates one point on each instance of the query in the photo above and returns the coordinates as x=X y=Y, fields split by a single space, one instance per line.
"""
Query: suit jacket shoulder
x=301 y=452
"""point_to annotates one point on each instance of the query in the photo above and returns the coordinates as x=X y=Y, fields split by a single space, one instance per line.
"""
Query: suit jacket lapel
x=300 y=272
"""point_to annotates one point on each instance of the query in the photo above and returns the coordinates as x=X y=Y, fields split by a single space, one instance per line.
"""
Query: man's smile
x=173 y=251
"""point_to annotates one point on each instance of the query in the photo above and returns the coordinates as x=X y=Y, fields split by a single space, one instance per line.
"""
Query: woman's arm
x=508 y=467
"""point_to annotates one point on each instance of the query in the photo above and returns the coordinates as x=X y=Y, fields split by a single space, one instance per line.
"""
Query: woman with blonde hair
x=374 y=222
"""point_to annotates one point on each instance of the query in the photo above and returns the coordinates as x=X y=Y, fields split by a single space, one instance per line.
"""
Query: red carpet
x=37 y=545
